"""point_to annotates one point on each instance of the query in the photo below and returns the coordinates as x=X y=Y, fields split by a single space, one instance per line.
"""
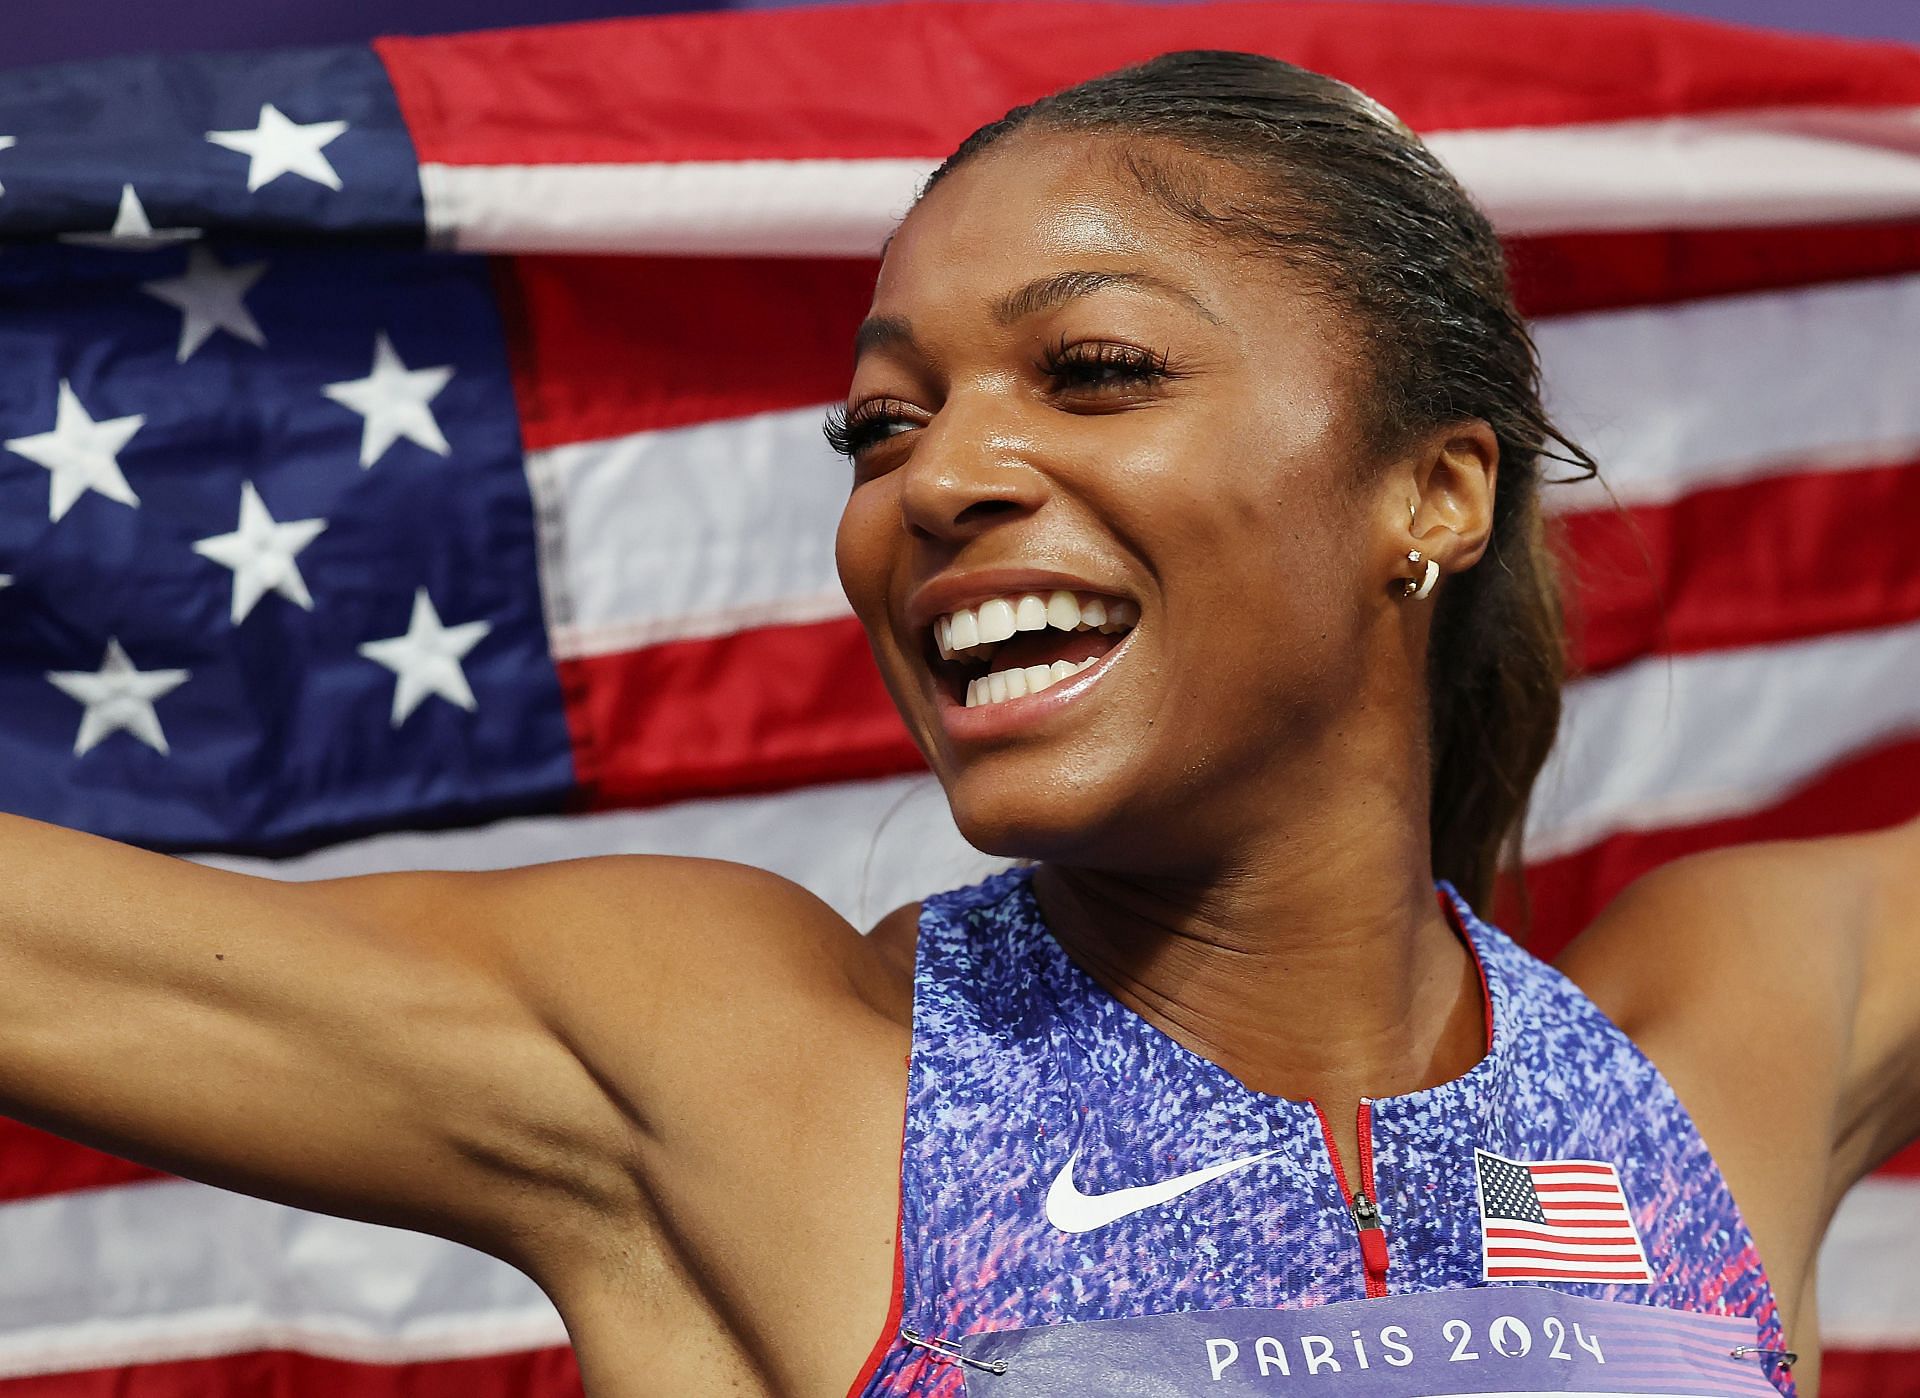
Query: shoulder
x=1732 y=970
x=1741 y=945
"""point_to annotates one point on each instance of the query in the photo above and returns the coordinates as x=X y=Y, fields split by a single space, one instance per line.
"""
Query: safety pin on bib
x=1785 y=1358
x=951 y=1352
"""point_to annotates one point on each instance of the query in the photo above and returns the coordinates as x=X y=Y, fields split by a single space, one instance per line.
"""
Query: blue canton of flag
x=267 y=556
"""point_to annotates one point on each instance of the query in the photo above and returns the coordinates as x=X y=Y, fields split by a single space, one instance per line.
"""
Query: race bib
x=1509 y=1341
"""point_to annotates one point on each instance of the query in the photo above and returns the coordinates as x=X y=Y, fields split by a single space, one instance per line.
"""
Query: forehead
x=1031 y=202
x=1040 y=203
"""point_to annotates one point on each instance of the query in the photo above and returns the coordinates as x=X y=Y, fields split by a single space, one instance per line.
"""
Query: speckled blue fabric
x=1020 y=1059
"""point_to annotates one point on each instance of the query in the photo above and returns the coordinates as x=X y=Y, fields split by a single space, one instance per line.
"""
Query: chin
x=1019 y=808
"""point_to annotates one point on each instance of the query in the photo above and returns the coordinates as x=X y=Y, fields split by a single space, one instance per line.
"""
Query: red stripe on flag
x=33 y=1163
x=1781 y=559
x=1529 y=1272
x=1905 y=1163
x=758 y=710
x=858 y=81
x=549 y=1373
x=723 y=337
x=1508 y=1233
x=1870 y=1373
x=1578 y=272
x=1872 y=790
x=1554 y=1169
x=729 y=337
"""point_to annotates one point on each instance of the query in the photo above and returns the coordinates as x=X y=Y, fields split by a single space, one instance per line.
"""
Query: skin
x=671 y=1091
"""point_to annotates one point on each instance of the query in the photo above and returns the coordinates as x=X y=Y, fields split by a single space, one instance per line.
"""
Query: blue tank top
x=1035 y=1100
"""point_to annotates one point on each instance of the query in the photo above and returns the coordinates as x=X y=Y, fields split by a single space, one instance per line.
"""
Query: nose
x=971 y=469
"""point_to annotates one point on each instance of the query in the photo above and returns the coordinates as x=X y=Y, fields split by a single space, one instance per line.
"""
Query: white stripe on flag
x=145 y=1273
x=739 y=208
x=1581 y=1250
x=1768 y=168
x=1649 y=745
x=1674 y=398
x=691 y=531
x=863 y=847
x=1869 y=1280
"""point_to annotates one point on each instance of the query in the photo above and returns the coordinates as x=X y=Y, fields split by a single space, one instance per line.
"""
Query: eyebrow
x=881 y=332
x=1040 y=294
x=1044 y=293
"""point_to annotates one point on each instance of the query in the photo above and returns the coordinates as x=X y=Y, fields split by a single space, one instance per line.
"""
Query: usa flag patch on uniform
x=1556 y=1221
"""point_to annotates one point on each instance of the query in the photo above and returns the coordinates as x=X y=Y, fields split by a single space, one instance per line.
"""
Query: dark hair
x=1339 y=189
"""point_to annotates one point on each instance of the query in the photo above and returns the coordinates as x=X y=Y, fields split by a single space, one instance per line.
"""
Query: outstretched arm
x=393 y=1048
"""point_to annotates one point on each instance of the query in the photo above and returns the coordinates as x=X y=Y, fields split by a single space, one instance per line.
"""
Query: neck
x=1298 y=968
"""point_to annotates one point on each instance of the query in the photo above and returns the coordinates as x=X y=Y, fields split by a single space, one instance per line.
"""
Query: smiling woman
x=1388 y=304
x=1194 y=523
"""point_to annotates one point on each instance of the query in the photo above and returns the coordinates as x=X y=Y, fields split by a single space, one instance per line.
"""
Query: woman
x=1194 y=526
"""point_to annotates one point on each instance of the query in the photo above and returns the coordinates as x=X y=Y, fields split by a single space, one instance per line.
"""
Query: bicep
x=306 y=1043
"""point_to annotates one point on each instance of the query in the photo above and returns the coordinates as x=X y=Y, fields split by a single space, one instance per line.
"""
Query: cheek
x=863 y=545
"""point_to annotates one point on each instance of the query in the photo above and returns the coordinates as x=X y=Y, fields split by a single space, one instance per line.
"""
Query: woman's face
x=1065 y=392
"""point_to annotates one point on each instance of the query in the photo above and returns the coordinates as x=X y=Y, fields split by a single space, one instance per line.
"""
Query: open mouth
x=1009 y=647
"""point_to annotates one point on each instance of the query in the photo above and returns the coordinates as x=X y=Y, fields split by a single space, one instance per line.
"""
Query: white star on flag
x=210 y=296
x=427 y=659
x=82 y=454
x=261 y=553
x=132 y=231
x=118 y=697
x=393 y=399
x=277 y=146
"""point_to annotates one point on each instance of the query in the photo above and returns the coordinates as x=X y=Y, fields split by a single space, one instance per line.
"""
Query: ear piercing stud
x=1415 y=589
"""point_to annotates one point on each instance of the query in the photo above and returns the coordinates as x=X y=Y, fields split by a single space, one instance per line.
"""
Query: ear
x=1453 y=475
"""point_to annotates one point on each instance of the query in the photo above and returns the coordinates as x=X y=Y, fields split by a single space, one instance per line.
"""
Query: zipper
x=1363 y=1205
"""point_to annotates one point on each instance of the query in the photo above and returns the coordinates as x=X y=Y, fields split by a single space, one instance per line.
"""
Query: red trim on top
x=892 y=1327
x=898 y=1304
x=1479 y=966
x=1373 y=1241
x=1364 y=1126
x=1333 y=1152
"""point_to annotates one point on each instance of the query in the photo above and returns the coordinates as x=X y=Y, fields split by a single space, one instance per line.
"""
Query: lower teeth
x=1017 y=684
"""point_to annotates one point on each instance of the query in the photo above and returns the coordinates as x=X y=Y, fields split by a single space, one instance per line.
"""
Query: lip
x=988 y=721
x=951 y=591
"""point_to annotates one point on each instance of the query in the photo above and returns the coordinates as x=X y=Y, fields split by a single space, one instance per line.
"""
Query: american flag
x=1556 y=1221
x=409 y=458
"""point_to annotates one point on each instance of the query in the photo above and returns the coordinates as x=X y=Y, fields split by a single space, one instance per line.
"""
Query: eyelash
x=850 y=433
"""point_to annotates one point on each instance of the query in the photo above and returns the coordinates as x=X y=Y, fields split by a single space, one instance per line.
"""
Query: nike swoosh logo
x=1073 y=1212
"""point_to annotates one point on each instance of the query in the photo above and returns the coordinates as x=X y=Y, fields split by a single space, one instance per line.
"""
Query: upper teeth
x=974 y=631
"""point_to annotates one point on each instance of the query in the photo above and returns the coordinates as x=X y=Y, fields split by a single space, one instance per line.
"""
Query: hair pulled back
x=1342 y=192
